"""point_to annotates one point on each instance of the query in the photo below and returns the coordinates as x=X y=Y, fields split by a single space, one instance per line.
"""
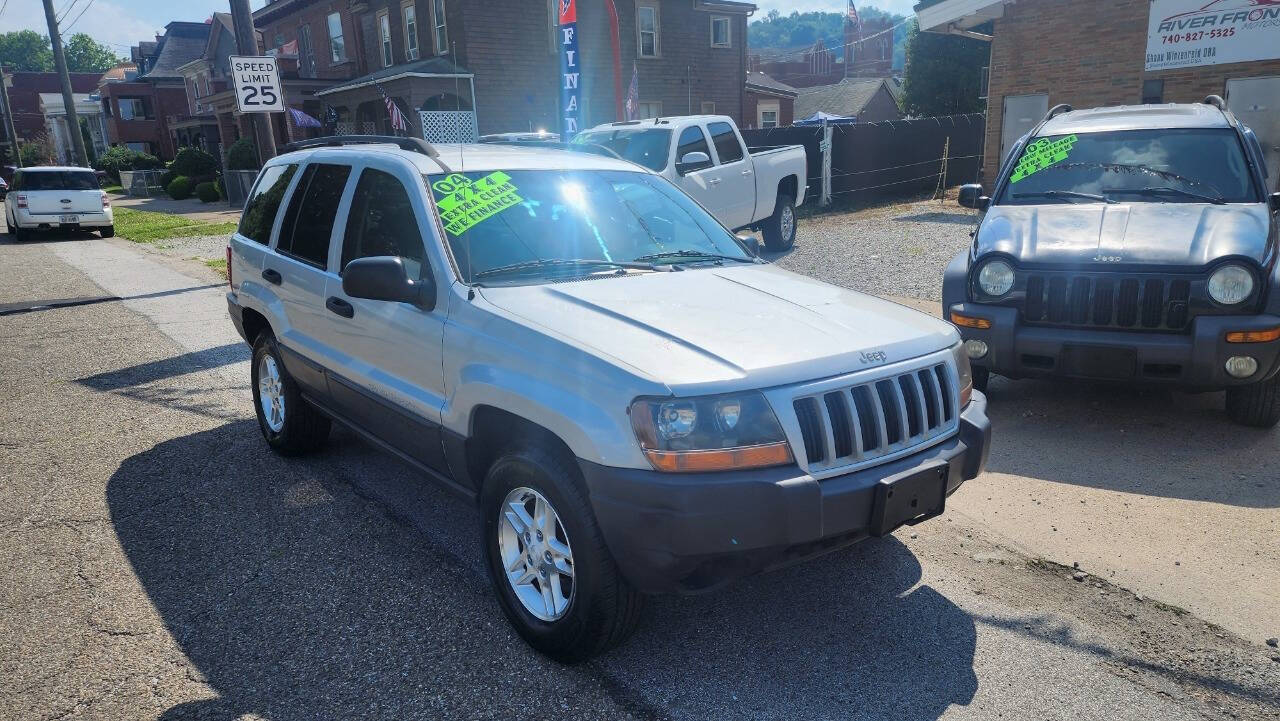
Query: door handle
x=746 y=172
x=272 y=276
x=713 y=181
x=340 y=306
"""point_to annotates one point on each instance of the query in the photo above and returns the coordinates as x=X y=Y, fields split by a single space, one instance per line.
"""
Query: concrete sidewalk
x=217 y=212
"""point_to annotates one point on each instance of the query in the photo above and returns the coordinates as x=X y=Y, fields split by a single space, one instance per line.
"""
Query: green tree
x=26 y=50
x=86 y=55
x=788 y=32
x=943 y=74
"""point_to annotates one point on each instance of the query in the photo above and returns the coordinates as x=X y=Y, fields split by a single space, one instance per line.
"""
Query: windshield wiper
x=559 y=263
x=1169 y=191
x=692 y=256
x=1065 y=194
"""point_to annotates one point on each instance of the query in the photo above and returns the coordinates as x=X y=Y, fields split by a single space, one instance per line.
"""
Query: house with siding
x=867 y=99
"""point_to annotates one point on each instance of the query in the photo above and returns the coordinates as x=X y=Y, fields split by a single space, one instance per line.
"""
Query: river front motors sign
x=1187 y=33
x=570 y=72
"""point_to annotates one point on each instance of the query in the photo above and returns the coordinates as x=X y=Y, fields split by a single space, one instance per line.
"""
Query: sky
x=122 y=23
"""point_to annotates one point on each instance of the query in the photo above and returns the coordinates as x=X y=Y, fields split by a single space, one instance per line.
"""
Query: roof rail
x=1216 y=101
x=1056 y=111
x=416 y=145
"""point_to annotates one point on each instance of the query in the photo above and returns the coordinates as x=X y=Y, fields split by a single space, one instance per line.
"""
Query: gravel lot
x=896 y=250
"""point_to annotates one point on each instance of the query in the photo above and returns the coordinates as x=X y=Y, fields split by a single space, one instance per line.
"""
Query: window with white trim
x=652 y=109
x=337 y=45
x=721 y=36
x=384 y=37
x=441 y=30
x=767 y=113
x=647 y=28
x=708 y=107
x=410 y=14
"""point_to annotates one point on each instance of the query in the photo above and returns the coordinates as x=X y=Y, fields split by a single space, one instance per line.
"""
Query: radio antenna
x=457 y=104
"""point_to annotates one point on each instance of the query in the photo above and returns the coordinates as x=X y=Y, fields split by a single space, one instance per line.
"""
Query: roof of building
x=1136 y=117
x=123 y=71
x=182 y=43
x=762 y=81
x=847 y=97
x=435 y=66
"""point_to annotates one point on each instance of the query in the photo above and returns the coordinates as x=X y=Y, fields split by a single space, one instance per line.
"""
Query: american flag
x=398 y=121
x=853 y=16
x=633 y=94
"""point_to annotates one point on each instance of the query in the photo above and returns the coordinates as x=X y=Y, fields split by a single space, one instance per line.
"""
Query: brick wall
x=24 y=96
x=509 y=49
x=1089 y=56
x=285 y=27
x=751 y=104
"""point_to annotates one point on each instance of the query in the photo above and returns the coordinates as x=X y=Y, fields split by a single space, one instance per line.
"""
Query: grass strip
x=144 y=226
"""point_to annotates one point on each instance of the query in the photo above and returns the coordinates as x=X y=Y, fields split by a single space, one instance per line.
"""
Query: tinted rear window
x=260 y=210
x=727 y=145
x=57 y=180
x=309 y=220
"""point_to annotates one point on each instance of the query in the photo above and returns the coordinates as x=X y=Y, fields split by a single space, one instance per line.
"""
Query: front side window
x=384 y=33
x=337 y=45
x=726 y=142
x=537 y=226
x=381 y=222
x=692 y=140
x=308 y=223
x=720 y=37
x=648 y=147
x=264 y=201
x=647 y=25
x=410 y=31
x=1193 y=165
x=442 y=32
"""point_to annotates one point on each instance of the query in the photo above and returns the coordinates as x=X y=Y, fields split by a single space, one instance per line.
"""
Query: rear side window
x=260 y=210
x=56 y=180
x=692 y=140
x=727 y=145
x=308 y=222
x=381 y=222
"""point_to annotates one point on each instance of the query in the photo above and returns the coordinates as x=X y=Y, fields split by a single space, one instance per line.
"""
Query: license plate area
x=909 y=500
x=1101 y=362
x=68 y=219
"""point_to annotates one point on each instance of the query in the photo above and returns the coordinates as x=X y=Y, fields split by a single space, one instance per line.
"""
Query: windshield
x=648 y=147
x=1198 y=165
x=523 y=226
x=58 y=180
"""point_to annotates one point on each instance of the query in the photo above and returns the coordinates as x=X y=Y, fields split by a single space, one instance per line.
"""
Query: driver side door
x=703 y=185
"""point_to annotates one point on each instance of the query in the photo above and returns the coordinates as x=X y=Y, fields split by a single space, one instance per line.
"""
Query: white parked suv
x=634 y=401
x=57 y=198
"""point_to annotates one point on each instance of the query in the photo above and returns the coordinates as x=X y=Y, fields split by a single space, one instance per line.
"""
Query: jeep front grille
x=877 y=419
x=1107 y=301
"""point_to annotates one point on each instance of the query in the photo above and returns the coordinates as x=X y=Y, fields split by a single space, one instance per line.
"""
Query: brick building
x=495 y=64
x=24 y=96
x=768 y=103
x=1090 y=53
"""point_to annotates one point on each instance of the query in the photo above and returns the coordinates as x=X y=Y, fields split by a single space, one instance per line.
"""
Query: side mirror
x=752 y=243
x=1273 y=200
x=691 y=162
x=971 y=197
x=384 y=277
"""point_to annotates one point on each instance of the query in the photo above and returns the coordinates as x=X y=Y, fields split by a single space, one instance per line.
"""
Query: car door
x=388 y=376
x=703 y=184
x=737 y=189
x=299 y=270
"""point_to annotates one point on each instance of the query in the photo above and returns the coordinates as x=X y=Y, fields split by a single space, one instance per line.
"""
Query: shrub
x=167 y=177
x=119 y=158
x=35 y=154
x=179 y=188
x=194 y=163
x=207 y=193
x=242 y=155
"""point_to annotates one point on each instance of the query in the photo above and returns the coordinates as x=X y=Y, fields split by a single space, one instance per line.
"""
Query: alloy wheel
x=535 y=552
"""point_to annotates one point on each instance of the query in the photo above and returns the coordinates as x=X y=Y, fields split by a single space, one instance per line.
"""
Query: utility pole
x=8 y=120
x=68 y=99
x=247 y=43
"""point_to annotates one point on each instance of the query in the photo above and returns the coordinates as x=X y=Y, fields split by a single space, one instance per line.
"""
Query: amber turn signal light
x=1254 y=336
x=729 y=459
x=969 y=321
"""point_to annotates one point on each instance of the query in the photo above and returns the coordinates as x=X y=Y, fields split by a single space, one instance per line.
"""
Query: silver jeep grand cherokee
x=634 y=401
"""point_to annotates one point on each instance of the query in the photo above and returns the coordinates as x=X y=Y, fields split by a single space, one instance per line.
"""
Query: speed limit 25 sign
x=257 y=84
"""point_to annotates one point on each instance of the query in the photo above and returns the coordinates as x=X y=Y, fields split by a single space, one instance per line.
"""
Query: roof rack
x=1056 y=111
x=1216 y=101
x=415 y=145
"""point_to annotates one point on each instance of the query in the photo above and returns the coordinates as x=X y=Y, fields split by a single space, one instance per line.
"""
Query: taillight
x=22 y=201
x=106 y=202
x=229 y=265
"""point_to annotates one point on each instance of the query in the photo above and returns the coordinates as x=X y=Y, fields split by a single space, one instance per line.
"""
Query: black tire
x=303 y=428
x=21 y=235
x=775 y=239
x=108 y=232
x=981 y=376
x=603 y=609
x=1257 y=406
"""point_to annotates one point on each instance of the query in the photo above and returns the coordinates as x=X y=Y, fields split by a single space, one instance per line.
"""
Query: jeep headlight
x=709 y=433
x=964 y=370
x=1231 y=284
x=995 y=278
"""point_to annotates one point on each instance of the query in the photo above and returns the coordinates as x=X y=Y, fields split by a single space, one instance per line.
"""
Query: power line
x=2 y=7
x=82 y=12
x=66 y=11
x=873 y=36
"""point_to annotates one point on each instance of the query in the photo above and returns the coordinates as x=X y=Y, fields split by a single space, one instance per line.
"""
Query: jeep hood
x=1192 y=234
x=706 y=330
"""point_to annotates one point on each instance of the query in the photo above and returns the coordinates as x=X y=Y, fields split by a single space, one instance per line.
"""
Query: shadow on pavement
x=1145 y=441
x=941 y=216
x=172 y=367
x=293 y=600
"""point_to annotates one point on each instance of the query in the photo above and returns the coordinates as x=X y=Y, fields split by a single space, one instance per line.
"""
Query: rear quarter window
x=260 y=210
x=726 y=142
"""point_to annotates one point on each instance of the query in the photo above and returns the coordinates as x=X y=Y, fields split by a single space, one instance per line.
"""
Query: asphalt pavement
x=158 y=561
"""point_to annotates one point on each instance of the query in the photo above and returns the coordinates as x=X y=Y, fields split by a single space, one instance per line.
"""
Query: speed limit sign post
x=257 y=84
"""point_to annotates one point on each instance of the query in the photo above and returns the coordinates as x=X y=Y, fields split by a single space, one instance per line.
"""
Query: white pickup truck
x=706 y=157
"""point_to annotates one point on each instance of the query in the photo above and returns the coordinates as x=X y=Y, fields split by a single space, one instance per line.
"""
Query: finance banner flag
x=570 y=72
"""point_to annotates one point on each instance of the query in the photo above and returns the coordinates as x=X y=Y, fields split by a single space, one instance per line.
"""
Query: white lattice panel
x=360 y=128
x=448 y=126
x=346 y=128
